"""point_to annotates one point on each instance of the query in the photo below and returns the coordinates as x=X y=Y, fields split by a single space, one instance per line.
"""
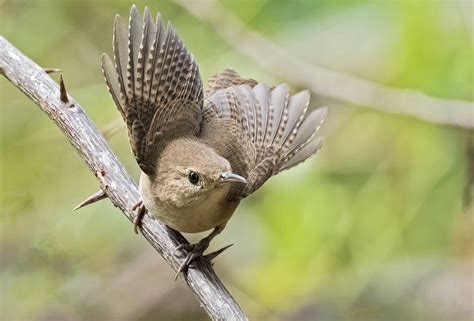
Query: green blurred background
x=378 y=226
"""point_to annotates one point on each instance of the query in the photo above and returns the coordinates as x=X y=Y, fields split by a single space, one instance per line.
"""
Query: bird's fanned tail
x=274 y=124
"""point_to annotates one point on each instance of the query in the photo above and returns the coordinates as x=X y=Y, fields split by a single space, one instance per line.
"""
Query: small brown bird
x=200 y=152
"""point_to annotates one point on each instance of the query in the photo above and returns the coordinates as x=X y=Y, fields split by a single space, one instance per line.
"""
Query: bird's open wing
x=155 y=83
x=270 y=131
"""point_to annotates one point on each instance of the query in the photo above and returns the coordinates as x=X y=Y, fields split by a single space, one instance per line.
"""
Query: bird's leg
x=141 y=211
x=196 y=250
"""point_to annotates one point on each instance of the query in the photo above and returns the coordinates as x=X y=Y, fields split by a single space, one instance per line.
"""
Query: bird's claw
x=195 y=251
x=190 y=257
x=141 y=211
x=187 y=247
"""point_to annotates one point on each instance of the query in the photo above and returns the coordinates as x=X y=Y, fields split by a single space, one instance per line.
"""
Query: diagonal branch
x=69 y=116
x=328 y=82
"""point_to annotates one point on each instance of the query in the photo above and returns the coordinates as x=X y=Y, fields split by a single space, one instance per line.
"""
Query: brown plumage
x=231 y=137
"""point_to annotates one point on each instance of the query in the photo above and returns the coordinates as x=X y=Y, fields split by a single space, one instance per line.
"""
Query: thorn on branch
x=62 y=90
x=91 y=199
x=212 y=255
x=51 y=70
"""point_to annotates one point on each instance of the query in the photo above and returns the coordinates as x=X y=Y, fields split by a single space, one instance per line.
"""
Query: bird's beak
x=228 y=177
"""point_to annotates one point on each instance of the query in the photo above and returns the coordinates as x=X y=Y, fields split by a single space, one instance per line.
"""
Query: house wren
x=200 y=151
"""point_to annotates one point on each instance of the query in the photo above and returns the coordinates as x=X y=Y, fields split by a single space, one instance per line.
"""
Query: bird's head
x=190 y=172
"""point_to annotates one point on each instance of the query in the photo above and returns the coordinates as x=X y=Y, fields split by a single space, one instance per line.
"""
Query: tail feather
x=262 y=95
x=297 y=106
x=278 y=113
x=305 y=132
x=302 y=154
x=260 y=114
x=304 y=136
x=308 y=128
x=248 y=109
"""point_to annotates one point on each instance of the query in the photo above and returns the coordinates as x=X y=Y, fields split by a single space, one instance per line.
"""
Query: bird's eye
x=193 y=177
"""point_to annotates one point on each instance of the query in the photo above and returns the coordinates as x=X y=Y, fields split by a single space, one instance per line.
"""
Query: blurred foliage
x=377 y=226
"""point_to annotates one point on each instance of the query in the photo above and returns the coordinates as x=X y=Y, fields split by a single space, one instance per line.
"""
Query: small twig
x=51 y=70
x=323 y=81
x=114 y=180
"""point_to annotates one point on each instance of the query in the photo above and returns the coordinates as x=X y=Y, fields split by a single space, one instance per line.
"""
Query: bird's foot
x=195 y=251
x=141 y=211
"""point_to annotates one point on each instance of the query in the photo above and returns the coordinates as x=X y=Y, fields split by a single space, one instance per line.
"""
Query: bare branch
x=33 y=81
x=328 y=82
